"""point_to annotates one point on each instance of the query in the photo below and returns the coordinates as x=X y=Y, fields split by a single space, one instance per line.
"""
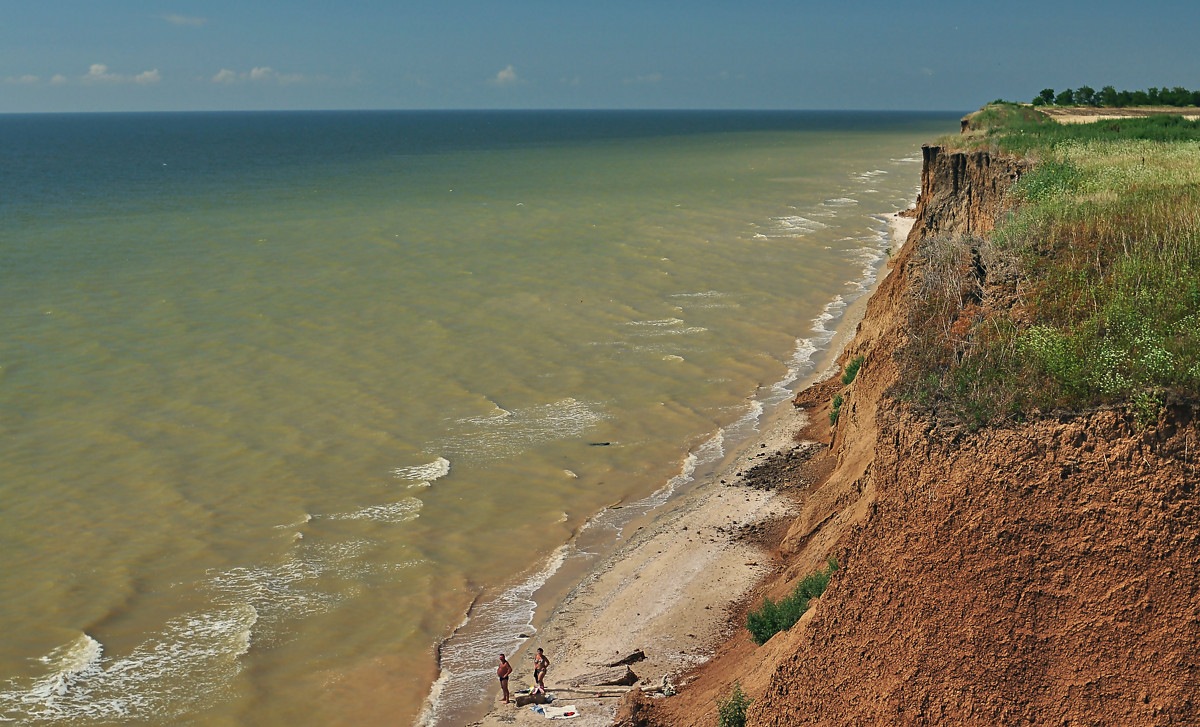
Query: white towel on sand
x=566 y=712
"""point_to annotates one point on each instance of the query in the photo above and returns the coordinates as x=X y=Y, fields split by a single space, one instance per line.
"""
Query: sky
x=184 y=55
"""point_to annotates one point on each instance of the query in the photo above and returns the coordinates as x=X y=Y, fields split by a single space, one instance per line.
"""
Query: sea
x=300 y=412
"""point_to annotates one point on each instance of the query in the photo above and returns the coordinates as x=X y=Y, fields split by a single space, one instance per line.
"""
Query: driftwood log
x=535 y=698
x=633 y=658
x=620 y=676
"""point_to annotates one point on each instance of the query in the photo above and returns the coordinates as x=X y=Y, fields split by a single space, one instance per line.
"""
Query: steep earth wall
x=1041 y=574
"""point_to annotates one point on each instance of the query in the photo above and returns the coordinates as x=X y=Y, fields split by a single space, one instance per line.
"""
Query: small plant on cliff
x=732 y=712
x=836 y=410
x=852 y=369
x=771 y=618
x=1146 y=407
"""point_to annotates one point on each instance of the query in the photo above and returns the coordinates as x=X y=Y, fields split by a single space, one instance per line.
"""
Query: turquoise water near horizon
x=282 y=395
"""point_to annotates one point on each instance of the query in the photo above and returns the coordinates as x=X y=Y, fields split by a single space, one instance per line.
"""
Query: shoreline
x=658 y=592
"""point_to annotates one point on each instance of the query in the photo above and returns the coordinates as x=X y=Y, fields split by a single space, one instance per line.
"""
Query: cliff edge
x=1042 y=573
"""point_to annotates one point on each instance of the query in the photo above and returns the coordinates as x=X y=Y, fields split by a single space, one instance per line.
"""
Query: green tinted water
x=273 y=414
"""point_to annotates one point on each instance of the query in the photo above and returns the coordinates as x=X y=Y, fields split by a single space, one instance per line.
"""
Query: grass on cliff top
x=1023 y=131
x=1088 y=291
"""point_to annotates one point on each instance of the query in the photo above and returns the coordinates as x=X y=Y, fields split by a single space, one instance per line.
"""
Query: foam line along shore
x=679 y=564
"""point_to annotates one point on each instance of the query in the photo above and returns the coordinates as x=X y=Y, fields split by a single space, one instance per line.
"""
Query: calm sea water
x=283 y=395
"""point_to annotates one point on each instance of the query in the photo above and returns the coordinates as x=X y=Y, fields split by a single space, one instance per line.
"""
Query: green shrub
x=836 y=410
x=852 y=369
x=772 y=617
x=732 y=712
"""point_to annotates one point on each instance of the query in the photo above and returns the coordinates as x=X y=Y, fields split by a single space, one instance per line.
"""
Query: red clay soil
x=1046 y=573
x=1041 y=575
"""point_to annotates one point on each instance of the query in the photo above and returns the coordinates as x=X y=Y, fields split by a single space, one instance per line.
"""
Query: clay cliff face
x=963 y=193
x=1042 y=574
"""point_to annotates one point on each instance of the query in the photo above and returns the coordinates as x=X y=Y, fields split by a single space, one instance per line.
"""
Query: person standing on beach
x=540 y=663
x=504 y=670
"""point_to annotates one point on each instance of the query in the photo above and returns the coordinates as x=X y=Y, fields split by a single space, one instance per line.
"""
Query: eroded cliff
x=1044 y=573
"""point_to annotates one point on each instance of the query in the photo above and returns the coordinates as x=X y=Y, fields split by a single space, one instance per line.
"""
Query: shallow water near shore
x=285 y=395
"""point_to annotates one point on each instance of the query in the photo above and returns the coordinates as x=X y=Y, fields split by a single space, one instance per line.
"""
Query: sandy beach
x=669 y=588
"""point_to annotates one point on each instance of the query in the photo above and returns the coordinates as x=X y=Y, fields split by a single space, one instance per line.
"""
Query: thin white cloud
x=648 y=78
x=58 y=79
x=506 y=77
x=98 y=73
x=24 y=80
x=261 y=74
x=183 y=20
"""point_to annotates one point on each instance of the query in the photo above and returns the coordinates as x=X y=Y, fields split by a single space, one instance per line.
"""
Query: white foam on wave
x=187 y=666
x=401 y=511
x=679 y=331
x=304 y=519
x=747 y=424
x=704 y=294
x=796 y=225
x=802 y=360
x=297 y=587
x=710 y=450
x=840 y=202
x=832 y=310
x=908 y=159
x=490 y=438
x=466 y=662
x=663 y=327
x=423 y=475
x=658 y=323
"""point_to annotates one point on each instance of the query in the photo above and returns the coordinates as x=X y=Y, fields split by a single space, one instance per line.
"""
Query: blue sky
x=137 y=55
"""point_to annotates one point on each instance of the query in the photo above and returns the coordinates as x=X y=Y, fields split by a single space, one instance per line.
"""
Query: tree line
x=1109 y=96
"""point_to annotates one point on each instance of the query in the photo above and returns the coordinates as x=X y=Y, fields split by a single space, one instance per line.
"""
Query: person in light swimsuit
x=540 y=663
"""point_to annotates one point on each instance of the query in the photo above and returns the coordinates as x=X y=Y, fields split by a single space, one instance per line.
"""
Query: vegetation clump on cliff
x=773 y=617
x=1088 y=291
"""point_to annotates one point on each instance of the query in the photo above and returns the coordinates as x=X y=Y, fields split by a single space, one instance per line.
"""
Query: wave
x=704 y=294
x=423 y=475
x=401 y=511
x=189 y=665
x=498 y=437
x=491 y=627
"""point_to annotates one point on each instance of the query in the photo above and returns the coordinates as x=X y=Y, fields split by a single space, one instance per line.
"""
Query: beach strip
x=668 y=589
